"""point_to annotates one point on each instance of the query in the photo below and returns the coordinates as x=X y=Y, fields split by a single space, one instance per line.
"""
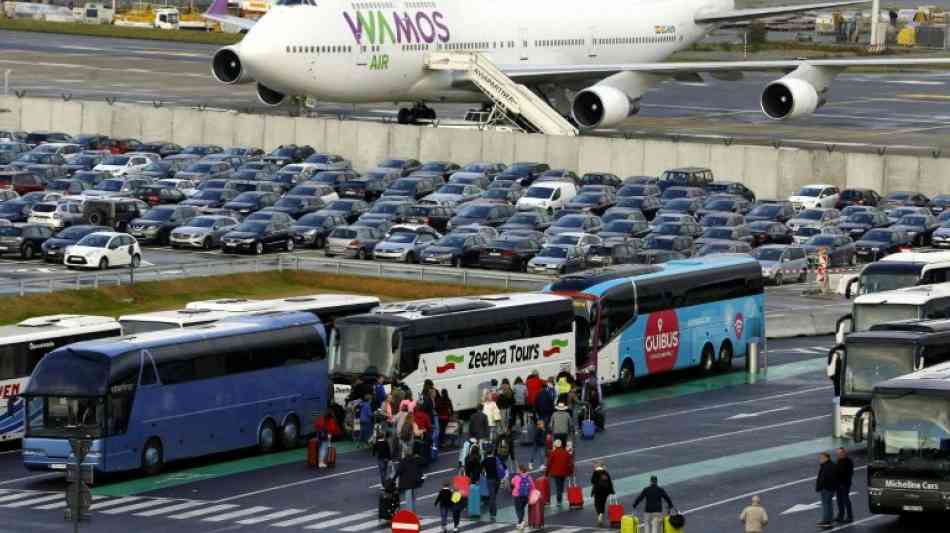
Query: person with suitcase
x=560 y=467
x=539 y=442
x=653 y=497
x=601 y=489
x=473 y=469
x=522 y=485
x=326 y=429
x=562 y=425
x=493 y=471
x=409 y=475
x=383 y=454
x=449 y=501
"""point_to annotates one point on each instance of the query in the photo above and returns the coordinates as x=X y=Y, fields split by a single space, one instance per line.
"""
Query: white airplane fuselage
x=373 y=51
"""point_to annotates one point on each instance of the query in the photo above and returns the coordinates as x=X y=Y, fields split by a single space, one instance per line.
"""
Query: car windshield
x=10 y=207
x=715 y=220
x=861 y=218
x=588 y=198
x=289 y=202
x=341 y=205
x=59 y=185
x=912 y=221
x=451 y=189
x=9 y=231
x=680 y=204
x=878 y=235
x=807 y=231
x=110 y=185
x=393 y=163
x=152 y=167
x=94 y=240
x=385 y=209
x=528 y=219
x=303 y=190
x=160 y=214
x=209 y=194
x=810 y=192
x=669 y=229
x=718 y=233
x=810 y=214
x=312 y=220
x=250 y=197
x=118 y=160
x=434 y=167
x=476 y=167
x=868 y=364
x=405 y=185
x=496 y=193
x=720 y=205
x=475 y=211
x=73 y=233
x=201 y=222
x=451 y=241
x=540 y=192
x=343 y=233
x=553 y=251
x=675 y=193
x=621 y=226
x=767 y=254
x=657 y=243
x=821 y=240
x=571 y=240
x=44 y=208
x=199 y=168
x=402 y=237
x=501 y=184
x=283 y=152
x=898 y=195
x=715 y=248
x=251 y=226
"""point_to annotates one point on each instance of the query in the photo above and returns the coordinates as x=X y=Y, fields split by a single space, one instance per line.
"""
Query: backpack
x=405 y=432
x=524 y=488
x=500 y=470
x=502 y=449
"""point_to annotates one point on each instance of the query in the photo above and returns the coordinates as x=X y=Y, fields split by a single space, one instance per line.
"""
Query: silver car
x=781 y=262
x=56 y=215
x=557 y=259
x=203 y=232
x=352 y=241
x=405 y=243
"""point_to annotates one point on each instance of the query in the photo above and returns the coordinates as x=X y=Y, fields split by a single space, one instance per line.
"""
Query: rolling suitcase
x=575 y=496
x=313 y=452
x=629 y=524
x=331 y=455
x=474 y=500
x=388 y=504
x=483 y=487
x=614 y=512
x=527 y=431
x=588 y=429
x=536 y=515
x=544 y=486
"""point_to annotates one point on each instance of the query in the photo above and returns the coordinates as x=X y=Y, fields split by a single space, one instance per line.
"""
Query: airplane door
x=591 y=48
x=523 y=43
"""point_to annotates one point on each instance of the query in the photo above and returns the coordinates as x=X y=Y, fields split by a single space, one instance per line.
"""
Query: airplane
x=591 y=61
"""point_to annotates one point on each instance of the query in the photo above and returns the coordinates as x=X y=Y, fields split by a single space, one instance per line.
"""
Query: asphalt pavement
x=713 y=441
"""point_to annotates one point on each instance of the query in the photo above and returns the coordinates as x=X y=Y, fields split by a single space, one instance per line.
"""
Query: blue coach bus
x=637 y=320
x=157 y=397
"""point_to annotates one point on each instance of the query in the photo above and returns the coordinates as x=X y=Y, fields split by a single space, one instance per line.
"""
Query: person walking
x=403 y=432
x=444 y=411
x=383 y=452
x=560 y=467
x=754 y=517
x=653 y=497
x=379 y=392
x=844 y=473
x=409 y=474
x=449 y=501
x=493 y=470
x=538 y=444
x=506 y=404
x=544 y=404
x=473 y=464
x=562 y=425
x=327 y=429
x=533 y=386
x=366 y=420
x=478 y=426
x=601 y=488
x=520 y=391
x=826 y=485
x=521 y=486
x=492 y=413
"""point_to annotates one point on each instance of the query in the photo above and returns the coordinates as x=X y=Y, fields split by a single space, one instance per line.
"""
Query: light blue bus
x=637 y=320
x=158 y=397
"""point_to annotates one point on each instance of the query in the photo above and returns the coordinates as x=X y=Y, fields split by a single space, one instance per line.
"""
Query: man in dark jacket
x=491 y=469
x=844 y=472
x=544 y=404
x=653 y=496
x=478 y=427
x=826 y=485
x=409 y=474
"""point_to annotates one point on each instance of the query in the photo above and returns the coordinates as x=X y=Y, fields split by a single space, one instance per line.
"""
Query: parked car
x=840 y=249
x=120 y=165
x=205 y=170
x=405 y=166
x=622 y=213
x=770 y=232
x=156 y=225
x=896 y=213
x=648 y=205
x=56 y=215
x=722 y=246
x=296 y=206
x=486 y=214
x=685 y=177
x=157 y=170
x=9 y=151
x=556 y=259
x=684 y=226
x=688 y=206
x=880 y=242
x=405 y=243
x=452 y=194
x=803 y=233
x=367 y=187
x=157 y=194
x=534 y=220
x=677 y=192
x=777 y=211
x=258 y=236
x=675 y=243
x=393 y=212
x=251 y=201
x=35 y=158
x=848 y=197
x=113 y=212
x=287 y=154
x=815 y=217
x=508 y=254
x=162 y=148
x=348 y=208
x=624 y=229
x=435 y=216
x=593 y=202
x=860 y=223
x=54 y=248
x=246 y=153
x=353 y=241
x=103 y=250
x=939 y=204
x=904 y=199
x=20 y=181
x=815 y=196
x=581 y=240
x=25 y=240
x=411 y=188
x=725 y=233
x=15 y=210
x=488 y=168
x=782 y=262
x=208 y=199
x=638 y=189
x=454 y=250
x=721 y=204
x=439 y=168
x=549 y=196
x=600 y=178
x=720 y=218
x=203 y=231
x=524 y=172
x=733 y=188
x=312 y=230
x=920 y=227
x=941 y=236
x=585 y=223
x=612 y=252
x=91 y=178
x=656 y=256
x=501 y=196
x=8 y=194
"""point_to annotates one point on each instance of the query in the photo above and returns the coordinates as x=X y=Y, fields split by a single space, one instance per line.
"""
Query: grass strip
x=121 y=32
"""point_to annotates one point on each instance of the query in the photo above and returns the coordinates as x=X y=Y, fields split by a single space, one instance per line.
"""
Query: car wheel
x=456 y=262
x=136 y=260
x=319 y=243
x=410 y=258
x=27 y=251
x=103 y=263
x=290 y=245
x=153 y=457
x=778 y=279
x=207 y=243
x=259 y=248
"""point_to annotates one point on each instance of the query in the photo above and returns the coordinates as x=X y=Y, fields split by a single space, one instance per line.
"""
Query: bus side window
x=935 y=275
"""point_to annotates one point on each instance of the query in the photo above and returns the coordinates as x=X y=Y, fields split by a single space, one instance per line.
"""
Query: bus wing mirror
x=844 y=326
x=851 y=287
x=858 y=428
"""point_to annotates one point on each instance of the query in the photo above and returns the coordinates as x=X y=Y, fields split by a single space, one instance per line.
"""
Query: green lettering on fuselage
x=384 y=28
x=368 y=25
x=379 y=62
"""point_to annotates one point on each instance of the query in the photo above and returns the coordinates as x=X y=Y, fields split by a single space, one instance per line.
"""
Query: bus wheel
x=708 y=362
x=627 y=375
x=725 y=357
x=290 y=433
x=267 y=437
x=153 y=458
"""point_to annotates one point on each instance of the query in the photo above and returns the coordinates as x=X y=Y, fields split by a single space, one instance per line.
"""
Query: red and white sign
x=406 y=522
x=740 y=324
x=661 y=341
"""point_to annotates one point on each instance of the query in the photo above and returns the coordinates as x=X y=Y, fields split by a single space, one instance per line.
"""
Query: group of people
x=834 y=483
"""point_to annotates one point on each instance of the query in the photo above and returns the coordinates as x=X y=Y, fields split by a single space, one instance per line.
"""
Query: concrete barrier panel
x=498 y=146
x=562 y=152
x=864 y=170
x=157 y=123
x=690 y=154
x=278 y=131
x=373 y=143
x=66 y=117
x=795 y=169
x=404 y=141
x=10 y=112
x=249 y=130
x=346 y=142
x=933 y=175
x=36 y=114
x=465 y=145
x=626 y=157
x=310 y=131
x=434 y=144
x=219 y=127
x=830 y=167
x=726 y=162
x=97 y=118
x=530 y=147
x=901 y=173
x=658 y=156
x=187 y=126
x=760 y=169
x=593 y=155
x=127 y=121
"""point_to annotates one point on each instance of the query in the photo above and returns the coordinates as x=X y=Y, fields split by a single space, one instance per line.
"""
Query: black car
x=730 y=187
x=727 y=233
x=211 y=198
x=638 y=189
x=904 y=199
x=939 y=204
x=677 y=192
x=158 y=170
x=297 y=206
x=83 y=162
x=840 y=249
x=778 y=212
x=624 y=229
x=25 y=240
x=116 y=213
x=600 y=178
x=54 y=248
x=848 y=197
x=441 y=168
x=412 y=187
x=612 y=253
x=159 y=195
x=860 y=223
x=348 y=208
x=675 y=243
x=534 y=220
x=93 y=141
x=15 y=210
x=67 y=186
x=770 y=232
x=920 y=227
x=312 y=230
x=593 y=202
x=332 y=178
x=393 y=212
x=259 y=236
x=523 y=172
x=43 y=137
x=508 y=254
x=365 y=188
x=722 y=218
x=728 y=204
x=484 y=214
x=286 y=154
x=433 y=215
x=689 y=206
x=161 y=148
x=158 y=222
x=488 y=168
x=655 y=257
x=880 y=242
x=685 y=177
x=648 y=205
x=622 y=213
x=201 y=150
x=91 y=177
x=683 y=226
x=454 y=250
x=251 y=201
x=405 y=166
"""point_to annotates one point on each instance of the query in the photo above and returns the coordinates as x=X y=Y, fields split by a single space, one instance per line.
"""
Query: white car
x=187 y=187
x=548 y=195
x=815 y=195
x=120 y=165
x=103 y=250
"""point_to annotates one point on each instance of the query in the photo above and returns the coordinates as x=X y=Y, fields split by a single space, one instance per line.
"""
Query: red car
x=20 y=181
x=121 y=146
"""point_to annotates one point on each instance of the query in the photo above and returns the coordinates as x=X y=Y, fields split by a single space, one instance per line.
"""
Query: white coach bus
x=461 y=344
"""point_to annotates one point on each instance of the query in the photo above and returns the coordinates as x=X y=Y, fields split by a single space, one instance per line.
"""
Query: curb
x=801 y=324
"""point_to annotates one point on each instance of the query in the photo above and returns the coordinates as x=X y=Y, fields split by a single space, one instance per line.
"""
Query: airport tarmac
x=902 y=108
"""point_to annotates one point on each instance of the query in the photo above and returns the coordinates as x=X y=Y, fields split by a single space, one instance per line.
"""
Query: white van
x=549 y=195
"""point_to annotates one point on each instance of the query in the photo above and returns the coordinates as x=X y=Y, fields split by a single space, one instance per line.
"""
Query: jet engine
x=612 y=100
x=269 y=96
x=799 y=93
x=226 y=66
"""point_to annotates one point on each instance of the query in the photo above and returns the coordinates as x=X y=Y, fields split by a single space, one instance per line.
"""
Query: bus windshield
x=869 y=364
x=887 y=276
x=867 y=315
x=366 y=348
x=63 y=416
x=912 y=432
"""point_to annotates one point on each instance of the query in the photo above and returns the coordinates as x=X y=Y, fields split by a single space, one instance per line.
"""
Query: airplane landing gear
x=418 y=112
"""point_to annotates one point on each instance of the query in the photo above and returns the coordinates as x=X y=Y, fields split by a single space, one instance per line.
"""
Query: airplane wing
x=218 y=12
x=761 y=12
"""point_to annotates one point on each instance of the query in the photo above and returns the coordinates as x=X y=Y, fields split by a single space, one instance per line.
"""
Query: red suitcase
x=313 y=450
x=544 y=486
x=331 y=455
x=614 y=512
x=536 y=515
x=575 y=496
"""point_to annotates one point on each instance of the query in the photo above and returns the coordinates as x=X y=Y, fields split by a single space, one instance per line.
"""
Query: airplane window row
x=421 y=5
x=411 y=47
x=636 y=40
x=319 y=49
x=373 y=5
x=476 y=45
x=560 y=42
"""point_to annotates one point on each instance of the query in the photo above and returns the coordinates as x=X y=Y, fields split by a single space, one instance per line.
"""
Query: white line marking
x=62 y=504
x=237 y=514
x=305 y=519
x=487 y=528
x=297 y=483
x=42 y=499
x=344 y=520
x=113 y=503
x=28 y=478
x=18 y=496
x=852 y=524
x=172 y=509
x=202 y=512
x=137 y=506
x=272 y=516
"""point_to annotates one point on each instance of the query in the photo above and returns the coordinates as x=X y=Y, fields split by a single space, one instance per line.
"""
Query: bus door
x=123 y=447
x=584 y=312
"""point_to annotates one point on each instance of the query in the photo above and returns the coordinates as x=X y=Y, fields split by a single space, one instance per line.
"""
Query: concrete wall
x=774 y=172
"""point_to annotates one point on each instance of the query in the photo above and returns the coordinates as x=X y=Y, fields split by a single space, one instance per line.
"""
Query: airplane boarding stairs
x=514 y=102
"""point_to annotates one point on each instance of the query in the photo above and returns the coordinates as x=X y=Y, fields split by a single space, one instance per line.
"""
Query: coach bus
x=461 y=344
x=163 y=396
x=646 y=319
x=908 y=443
x=23 y=345
x=917 y=302
x=900 y=270
x=886 y=351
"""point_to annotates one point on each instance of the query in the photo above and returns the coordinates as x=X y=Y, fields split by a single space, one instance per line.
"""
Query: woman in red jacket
x=560 y=467
x=327 y=429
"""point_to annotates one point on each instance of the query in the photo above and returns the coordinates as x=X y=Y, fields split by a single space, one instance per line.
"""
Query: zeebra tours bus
x=460 y=344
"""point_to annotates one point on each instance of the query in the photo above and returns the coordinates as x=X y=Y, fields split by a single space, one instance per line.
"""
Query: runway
x=905 y=108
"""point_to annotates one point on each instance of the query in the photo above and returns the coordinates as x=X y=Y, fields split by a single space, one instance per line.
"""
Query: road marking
x=852 y=524
x=202 y=512
x=172 y=509
x=61 y=504
x=305 y=519
x=271 y=516
x=298 y=483
x=28 y=478
x=799 y=507
x=138 y=506
x=41 y=499
x=237 y=514
x=487 y=528
x=112 y=503
x=18 y=496
x=742 y=416
x=377 y=524
x=344 y=520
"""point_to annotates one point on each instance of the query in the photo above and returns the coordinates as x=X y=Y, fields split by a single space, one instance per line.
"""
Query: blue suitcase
x=483 y=487
x=475 y=500
x=588 y=429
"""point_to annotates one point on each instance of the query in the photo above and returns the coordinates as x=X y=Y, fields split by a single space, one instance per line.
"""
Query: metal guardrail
x=281 y=262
